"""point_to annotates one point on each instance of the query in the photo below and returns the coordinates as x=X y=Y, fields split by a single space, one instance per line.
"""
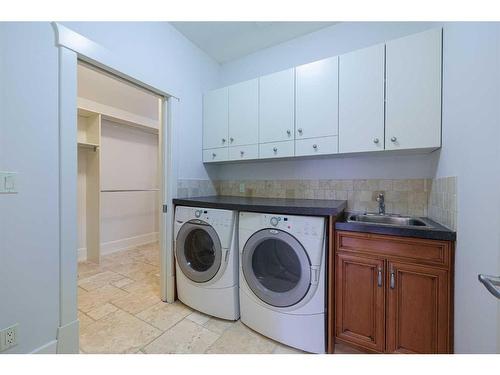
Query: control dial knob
x=197 y=213
x=274 y=221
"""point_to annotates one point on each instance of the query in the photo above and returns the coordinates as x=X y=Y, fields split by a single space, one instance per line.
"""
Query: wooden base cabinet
x=394 y=294
x=361 y=301
x=417 y=309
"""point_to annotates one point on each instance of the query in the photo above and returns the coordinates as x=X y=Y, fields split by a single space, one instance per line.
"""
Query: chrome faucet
x=381 y=204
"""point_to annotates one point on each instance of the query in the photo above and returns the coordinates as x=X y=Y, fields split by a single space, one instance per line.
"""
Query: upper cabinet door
x=361 y=100
x=215 y=118
x=317 y=96
x=244 y=113
x=276 y=106
x=413 y=91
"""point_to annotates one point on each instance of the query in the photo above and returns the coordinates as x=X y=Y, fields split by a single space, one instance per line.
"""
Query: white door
x=316 y=102
x=413 y=91
x=276 y=107
x=361 y=100
x=244 y=113
x=215 y=118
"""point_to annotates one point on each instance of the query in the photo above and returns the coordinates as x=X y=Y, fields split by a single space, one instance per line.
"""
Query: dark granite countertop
x=311 y=207
x=436 y=232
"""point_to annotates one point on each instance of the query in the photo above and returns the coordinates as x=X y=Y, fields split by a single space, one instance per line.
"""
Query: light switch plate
x=8 y=182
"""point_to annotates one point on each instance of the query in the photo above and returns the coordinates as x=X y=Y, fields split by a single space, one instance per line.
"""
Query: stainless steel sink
x=392 y=220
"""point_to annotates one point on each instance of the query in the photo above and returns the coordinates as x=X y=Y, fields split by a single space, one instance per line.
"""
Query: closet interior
x=118 y=164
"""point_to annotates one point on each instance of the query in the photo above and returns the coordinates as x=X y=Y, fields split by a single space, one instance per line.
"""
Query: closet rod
x=126 y=190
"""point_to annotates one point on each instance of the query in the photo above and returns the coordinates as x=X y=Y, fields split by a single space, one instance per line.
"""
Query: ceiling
x=226 y=41
x=103 y=88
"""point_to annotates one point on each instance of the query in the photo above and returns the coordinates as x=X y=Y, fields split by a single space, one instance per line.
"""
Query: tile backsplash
x=443 y=201
x=406 y=197
x=417 y=197
x=195 y=188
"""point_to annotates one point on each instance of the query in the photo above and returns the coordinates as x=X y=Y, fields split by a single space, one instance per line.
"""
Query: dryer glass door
x=198 y=251
x=276 y=267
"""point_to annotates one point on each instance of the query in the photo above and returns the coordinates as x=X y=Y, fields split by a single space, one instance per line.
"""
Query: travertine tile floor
x=120 y=312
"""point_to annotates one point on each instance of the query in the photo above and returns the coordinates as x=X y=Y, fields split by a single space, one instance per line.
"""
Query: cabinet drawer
x=244 y=152
x=316 y=146
x=276 y=150
x=416 y=250
x=213 y=155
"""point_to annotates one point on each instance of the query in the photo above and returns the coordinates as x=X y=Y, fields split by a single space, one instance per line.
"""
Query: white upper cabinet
x=413 y=91
x=215 y=118
x=244 y=113
x=316 y=102
x=361 y=100
x=276 y=107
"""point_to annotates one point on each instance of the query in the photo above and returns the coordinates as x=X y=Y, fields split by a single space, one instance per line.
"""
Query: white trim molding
x=122 y=244
x=48 y=348
x=68 y=338
x=97 y=55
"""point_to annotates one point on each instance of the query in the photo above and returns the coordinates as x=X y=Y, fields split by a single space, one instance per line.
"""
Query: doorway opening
x=119 y=200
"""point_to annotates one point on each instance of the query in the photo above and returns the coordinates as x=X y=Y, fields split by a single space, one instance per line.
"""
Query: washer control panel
x=294 y=224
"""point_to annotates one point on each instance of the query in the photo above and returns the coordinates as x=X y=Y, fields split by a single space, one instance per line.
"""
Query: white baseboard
x=121 y=244
x=68 y=338
x=49 y=348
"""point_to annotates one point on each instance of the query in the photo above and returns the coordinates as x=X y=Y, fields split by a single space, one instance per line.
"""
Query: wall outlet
x=242 y=187
x=8 y=337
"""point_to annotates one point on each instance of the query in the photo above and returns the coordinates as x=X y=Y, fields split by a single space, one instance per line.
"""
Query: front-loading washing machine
x=206 y=260
x=282 y=278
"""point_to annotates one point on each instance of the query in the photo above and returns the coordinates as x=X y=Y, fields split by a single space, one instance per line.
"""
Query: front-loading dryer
x=206 y=260
x=282 y=278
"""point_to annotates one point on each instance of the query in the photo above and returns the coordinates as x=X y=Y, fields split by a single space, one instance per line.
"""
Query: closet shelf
x=126 y=190
x=88 y=145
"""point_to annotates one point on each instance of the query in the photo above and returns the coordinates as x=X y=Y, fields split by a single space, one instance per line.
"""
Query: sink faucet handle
x=381 y=203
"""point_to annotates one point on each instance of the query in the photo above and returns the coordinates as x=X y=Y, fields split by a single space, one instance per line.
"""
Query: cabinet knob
x=299 y=130
x=379 y=277
x=393 y=279
x=231 y=139
x=214 y=155
x=315 y=146
x=223 y=140
x=242 y=152
x=275 y=149
x=393 y=139
x=375 y=140
x=288 y=132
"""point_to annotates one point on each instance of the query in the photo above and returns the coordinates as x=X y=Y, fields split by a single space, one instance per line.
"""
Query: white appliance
x=282 y=278
x=206 y=260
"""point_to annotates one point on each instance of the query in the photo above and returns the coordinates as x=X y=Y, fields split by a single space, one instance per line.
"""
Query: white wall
x=471 y=130
x=29 y=223
x=129 y=160
x=29 y=247
x=471 y=151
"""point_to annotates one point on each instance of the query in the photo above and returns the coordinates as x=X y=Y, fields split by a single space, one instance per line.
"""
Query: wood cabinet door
x=316 y=100
x=277 y=107
x=361 y=100
x=417 y=309
x=215 y=118
x=360 y=301
x=413 y=91
x=244 y=113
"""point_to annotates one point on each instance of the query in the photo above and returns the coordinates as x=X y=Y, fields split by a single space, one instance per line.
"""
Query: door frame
x=71 y=48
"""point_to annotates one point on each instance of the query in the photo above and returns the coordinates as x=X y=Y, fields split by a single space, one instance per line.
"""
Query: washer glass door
x=276 y=267
x=198 y=251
